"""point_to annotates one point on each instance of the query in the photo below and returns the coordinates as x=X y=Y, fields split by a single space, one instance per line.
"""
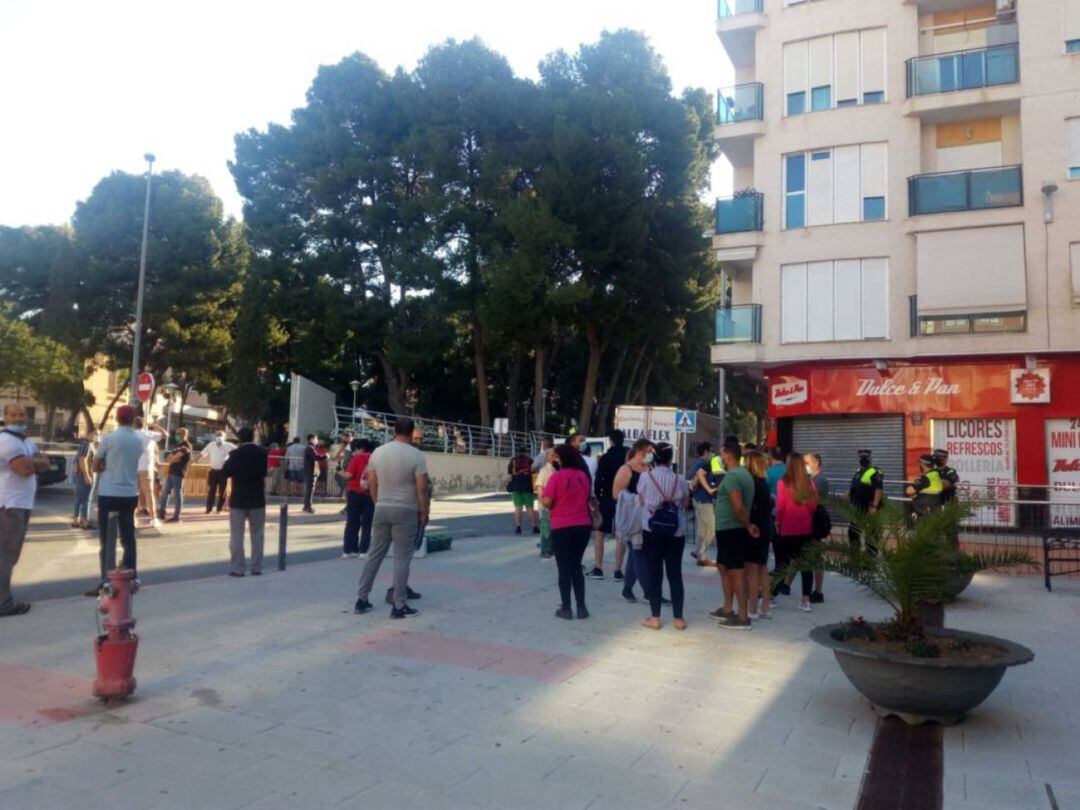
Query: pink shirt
x=794 y=519
x=568 y=491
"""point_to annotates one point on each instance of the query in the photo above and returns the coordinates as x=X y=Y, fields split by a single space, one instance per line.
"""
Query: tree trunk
x=633 y=375
x=120 y=391
x=50 y=418
x=513 y=393
x=539 y=380
x=395 y=395
x=480 y=352
x=609 y=393
x=639 y=397
x=592 y=372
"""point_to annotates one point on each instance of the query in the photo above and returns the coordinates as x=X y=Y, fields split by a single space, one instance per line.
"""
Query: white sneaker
x=346 y=556
x=804 y=607
x=154 y=523
x=362 y=556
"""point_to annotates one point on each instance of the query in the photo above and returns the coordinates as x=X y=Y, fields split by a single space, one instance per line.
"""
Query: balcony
x=973 y=190
x=739 y=120
x=737 y=22
x=739 y=324
x=963 y=70
x=743 y=213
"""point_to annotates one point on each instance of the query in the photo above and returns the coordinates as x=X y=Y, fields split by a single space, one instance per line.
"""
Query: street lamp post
x=142 y=281
x=355 y=386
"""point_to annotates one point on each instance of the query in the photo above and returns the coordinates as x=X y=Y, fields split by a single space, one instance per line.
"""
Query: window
x=845 y=299
x=795 y=191
x=1072 y=134
x=821 y=98
x=1072 y=46
x=1071 y=25
x=835 y=71
x=842 y=184
x=974 y=324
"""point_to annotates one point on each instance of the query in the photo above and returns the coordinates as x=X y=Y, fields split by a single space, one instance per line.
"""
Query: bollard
x=283 y=530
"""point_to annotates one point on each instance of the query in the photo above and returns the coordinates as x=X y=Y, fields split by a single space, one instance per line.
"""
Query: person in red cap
x=117 y=465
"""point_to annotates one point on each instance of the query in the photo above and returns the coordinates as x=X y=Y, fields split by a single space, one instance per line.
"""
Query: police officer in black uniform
x=950 y=478
x=927 y=491
x=866 y=493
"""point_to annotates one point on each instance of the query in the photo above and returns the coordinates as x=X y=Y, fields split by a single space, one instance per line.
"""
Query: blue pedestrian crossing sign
x=685 y=421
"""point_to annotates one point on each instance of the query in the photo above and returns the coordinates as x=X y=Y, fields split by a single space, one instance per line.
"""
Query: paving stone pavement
x=269 y=693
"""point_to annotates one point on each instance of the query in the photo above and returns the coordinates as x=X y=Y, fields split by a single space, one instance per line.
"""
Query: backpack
x=821 y=523
x=665 y=519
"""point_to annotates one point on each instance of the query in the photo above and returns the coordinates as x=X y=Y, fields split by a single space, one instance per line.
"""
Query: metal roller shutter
x=839 y=438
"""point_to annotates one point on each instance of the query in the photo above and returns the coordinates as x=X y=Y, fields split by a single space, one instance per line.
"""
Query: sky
x=89 y=87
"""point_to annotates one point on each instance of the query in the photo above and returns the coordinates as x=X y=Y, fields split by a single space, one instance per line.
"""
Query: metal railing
x=440 y=436
x=971 y=190
x=740 y=323
x=963 y=70
x=742 y=102
x=731 y=8
x=745 y=212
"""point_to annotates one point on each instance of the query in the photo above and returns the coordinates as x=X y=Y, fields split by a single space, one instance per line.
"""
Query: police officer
x=926 y=491
x=866 y=493
x=950 y=478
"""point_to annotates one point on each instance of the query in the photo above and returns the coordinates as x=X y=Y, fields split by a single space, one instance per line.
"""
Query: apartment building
x=903 y=243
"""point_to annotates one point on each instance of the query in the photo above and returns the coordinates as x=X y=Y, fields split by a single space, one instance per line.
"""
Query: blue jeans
x=82 y=499
x=173 y=484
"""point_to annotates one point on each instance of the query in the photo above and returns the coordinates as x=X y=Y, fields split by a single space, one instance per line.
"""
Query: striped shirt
x=659 y=485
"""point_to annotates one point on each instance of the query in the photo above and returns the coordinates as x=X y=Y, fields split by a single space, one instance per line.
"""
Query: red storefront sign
x=923 y=392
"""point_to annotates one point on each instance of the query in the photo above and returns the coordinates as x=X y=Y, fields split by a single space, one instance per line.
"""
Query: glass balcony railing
x=972 y=190
x=739 y=324
x=963 y=70
x=742 y=213
x=729 y=8
x=743 y=102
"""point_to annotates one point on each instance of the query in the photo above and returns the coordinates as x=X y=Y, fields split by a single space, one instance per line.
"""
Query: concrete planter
x=922 y=689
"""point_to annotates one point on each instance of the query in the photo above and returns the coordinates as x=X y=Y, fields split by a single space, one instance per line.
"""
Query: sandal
x=679 y=624
x=18 y=610
x=652 y=623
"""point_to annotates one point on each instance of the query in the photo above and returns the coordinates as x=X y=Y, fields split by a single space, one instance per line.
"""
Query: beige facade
x=1020 y=263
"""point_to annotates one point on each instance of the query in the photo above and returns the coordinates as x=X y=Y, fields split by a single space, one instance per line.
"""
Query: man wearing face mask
x=217 y=451
x=20 y=462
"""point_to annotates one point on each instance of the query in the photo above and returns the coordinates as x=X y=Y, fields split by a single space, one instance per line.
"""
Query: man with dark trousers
x=606 y=468
x=247 y=466
x=311 y=464
x=866 y=493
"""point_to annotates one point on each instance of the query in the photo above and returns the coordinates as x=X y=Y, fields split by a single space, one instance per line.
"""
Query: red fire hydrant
x=115 y=649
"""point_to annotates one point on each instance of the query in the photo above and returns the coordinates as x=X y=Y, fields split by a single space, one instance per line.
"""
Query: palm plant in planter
x=910 y=665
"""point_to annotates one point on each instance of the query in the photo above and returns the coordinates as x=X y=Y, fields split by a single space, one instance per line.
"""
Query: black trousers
x=788 y=548
x=309 y=486
x=359 y=510
x=215 y=483
x=569 y=546
x=664 y=554
x=125 y=521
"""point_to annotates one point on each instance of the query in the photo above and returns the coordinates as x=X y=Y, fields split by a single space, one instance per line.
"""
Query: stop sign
x=144 y=386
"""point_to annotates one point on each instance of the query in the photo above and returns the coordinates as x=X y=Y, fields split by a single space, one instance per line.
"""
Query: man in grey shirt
x=399 y=486
x=117 y=464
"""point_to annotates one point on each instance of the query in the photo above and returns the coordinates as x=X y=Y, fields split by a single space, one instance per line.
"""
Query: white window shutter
x=819 y=297
x=847 y=66
x=846 y=184
x=795 y=70
x=872 y=47
x=847 y=299
x=875 y=298
x=793 y=303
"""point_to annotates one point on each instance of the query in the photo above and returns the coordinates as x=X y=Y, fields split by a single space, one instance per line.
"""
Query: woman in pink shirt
x=566 y=497
x=796 y=500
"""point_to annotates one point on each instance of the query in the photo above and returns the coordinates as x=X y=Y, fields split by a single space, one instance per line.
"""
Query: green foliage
x=29 y=360
x=907 y=563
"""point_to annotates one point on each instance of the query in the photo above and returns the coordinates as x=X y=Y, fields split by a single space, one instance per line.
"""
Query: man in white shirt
x=20 y=463
x=148 y=467
x=217 y=451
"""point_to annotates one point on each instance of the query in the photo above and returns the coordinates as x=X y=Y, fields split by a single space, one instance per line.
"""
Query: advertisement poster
x=983 y=452
x=1063 y=467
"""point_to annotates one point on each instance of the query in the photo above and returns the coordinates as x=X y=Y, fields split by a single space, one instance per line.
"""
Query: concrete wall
x=459 y=473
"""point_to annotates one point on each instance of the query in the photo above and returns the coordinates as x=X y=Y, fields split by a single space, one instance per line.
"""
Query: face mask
x=809 y=471
x=219 y=440
x=17 y=427
x=648 y=458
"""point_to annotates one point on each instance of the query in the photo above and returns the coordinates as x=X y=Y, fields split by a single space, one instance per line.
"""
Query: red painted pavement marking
x=498 y=587
x=504 y=659
x=37 y=697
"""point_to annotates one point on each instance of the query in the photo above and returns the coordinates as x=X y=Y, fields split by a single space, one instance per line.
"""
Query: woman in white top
x=664 y=496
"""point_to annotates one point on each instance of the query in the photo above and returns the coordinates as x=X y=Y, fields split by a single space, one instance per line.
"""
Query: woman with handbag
x=796 y=502
x=664 y=496
x=566 y=497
